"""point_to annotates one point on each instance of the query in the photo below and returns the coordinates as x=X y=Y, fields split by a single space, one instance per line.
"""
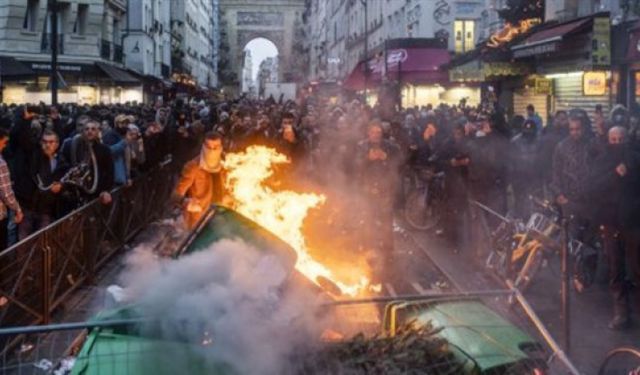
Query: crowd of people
x=588 y=165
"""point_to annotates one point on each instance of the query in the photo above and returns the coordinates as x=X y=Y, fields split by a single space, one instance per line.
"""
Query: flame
x=281 y=212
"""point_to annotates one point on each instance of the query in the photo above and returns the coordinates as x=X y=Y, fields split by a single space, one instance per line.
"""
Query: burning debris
x=283 y=213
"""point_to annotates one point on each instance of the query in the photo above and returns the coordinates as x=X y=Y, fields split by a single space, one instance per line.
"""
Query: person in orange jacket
x=202 y=182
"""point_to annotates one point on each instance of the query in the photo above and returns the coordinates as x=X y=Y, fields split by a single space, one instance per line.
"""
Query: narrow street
x=590 y=310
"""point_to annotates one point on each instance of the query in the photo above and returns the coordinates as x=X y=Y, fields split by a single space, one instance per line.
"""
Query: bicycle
x=530 y=244
x=623 y=360
x=424 y=198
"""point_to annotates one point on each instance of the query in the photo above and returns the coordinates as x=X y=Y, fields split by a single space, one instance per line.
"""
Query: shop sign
x=535 y=50
x=637 y=75
x=394 y=58
x=61 y=67
x=542 y=86
x=601 y=42
x=504 y=69
x=470 y=71
x=594 y=83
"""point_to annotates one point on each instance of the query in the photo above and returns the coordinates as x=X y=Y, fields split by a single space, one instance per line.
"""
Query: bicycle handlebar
x=546 y=204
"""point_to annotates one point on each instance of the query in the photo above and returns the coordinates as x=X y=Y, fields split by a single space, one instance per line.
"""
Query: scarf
x=209 y=168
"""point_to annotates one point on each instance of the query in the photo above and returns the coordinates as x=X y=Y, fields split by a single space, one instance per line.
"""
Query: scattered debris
x=44 y=364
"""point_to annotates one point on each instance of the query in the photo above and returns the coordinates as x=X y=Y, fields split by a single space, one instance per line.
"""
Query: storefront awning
x=407 y=65
x=547 y=40
x=12 y=68
x=117 y=75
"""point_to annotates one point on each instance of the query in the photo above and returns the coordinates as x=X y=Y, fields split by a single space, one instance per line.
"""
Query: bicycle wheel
x=623 y=360
x=418 y=213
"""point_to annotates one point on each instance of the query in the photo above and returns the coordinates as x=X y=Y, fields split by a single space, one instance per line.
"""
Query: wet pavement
x=590 y=310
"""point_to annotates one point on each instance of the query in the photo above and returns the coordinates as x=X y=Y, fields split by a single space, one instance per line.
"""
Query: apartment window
x=80 y=26
x=48 y=23
x=464 y=34
x=115 y=34
x=31 y=16
x=469 y=35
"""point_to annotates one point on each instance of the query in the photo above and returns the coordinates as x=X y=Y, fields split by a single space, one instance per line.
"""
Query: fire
x=281 y=212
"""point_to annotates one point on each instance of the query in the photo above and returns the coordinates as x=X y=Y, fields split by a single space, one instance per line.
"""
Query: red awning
x=633 y=50
x=409 y=65
x=556 y=32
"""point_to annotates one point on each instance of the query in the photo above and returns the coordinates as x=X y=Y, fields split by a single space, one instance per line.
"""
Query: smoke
x=231 y=295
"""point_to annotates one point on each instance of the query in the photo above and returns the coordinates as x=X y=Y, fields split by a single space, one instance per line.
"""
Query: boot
x=621 y=318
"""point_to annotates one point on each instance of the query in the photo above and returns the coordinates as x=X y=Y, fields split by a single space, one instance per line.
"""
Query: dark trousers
x=622 y=248
x=4 y=233
x=33 y=222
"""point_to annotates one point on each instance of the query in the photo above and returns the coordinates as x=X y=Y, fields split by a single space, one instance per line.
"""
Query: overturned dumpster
x=430 y=335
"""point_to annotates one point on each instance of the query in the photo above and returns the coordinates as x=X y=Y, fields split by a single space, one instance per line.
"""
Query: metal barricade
x=40 y=272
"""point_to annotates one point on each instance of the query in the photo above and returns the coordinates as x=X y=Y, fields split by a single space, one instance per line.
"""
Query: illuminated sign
x=510 y=31
x=542 y=86
x=637 y=74
x=394 y=58
x=594 y=83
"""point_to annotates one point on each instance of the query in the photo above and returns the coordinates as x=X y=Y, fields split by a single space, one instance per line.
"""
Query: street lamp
x=366 y=47
x=53 y=8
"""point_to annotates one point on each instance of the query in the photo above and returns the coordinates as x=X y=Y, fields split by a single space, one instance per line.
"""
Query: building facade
x=147 y=41
x=339 y=28
x=192 y=28
x=90 y=52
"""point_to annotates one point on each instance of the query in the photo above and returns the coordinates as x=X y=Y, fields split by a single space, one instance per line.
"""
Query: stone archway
x=275 y=20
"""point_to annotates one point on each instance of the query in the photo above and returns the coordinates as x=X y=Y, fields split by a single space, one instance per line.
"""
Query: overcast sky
x=260 y=48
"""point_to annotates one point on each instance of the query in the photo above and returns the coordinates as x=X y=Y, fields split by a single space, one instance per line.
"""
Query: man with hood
x=613 y=189
x=202 y=180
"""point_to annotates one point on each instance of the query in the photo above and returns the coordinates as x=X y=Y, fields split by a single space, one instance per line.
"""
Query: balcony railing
x=45 y=46
x=117 y=53
x=105 y=49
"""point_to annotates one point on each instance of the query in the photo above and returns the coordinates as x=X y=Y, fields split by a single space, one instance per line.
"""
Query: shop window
x=31 y=15
x=80 y=26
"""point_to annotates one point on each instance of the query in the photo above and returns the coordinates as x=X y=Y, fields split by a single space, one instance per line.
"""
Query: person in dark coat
x=377 y=165
x=456 y=162
x=524 y=168
x=614 y=186
x=552 y=135
x=570 y=174
x=87 y=150
x=46 y=169
x=488 y=167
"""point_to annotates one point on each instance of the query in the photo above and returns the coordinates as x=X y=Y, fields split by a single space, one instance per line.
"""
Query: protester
x=45 y=173
x=614 y=186
x=201 y=183
x=7 y=198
